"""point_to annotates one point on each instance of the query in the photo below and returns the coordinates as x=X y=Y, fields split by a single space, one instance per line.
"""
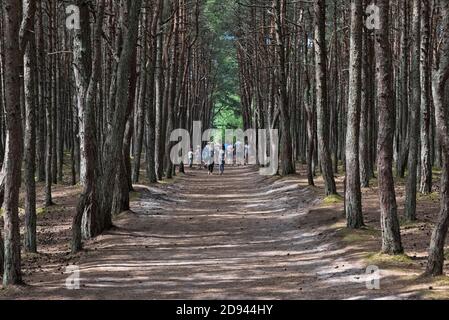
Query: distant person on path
x=221 y=159
x=211 y=159
x=190 y=156
x=246 y=154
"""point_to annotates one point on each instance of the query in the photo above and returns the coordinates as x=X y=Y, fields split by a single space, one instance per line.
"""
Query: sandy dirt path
x=239 y=236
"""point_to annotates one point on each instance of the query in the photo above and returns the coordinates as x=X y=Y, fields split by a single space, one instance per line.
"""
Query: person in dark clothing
x=211 y=159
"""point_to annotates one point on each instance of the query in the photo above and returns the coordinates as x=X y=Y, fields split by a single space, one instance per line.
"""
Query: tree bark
x=86 y=222
x=439 y=80
x=391 y=237
x=13 y=158
x=353 y=195
x=410 y=193
x=287 y=165
x=159 y=103
x=367 y=109
x=29 y=61
x=321 y=97
x=112 y=148
x=140 y=128
x=426 y=159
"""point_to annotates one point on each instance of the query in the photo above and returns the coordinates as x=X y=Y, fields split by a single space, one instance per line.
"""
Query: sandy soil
x=239 y=236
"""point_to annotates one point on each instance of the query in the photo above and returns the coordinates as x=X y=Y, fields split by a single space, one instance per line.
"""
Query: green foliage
x=358 y=236
x=220 y=21
x=333 y=199
x=434 y=196
x=381 y=259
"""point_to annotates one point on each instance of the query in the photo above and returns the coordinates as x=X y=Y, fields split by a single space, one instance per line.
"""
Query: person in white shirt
x=190 y=156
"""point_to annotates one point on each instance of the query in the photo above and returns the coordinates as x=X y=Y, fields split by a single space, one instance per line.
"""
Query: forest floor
x=237 y=236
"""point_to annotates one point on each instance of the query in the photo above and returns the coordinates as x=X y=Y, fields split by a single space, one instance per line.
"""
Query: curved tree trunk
x=86 y=222
x=113 y=145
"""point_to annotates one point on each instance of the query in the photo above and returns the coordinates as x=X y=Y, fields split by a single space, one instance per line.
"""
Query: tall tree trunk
x=40 y=156
x=112 y=148
x=172 y=92
x=426 y=160
x=48 y=154
x=404 y=93
x=391 y=236
x=159 y=103
x=440 y=78
x=123 y=184
x=310 y=118
x=86 y=222
x=353 y=195
x=13 y=158
x=410 y=194
x=140 y=121
x=321 y=96
x=149 y=101
x=366 y=164
x=29 y=63
x=288 y=165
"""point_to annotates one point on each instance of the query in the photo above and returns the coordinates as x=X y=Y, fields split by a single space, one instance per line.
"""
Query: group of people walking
x=208 y=157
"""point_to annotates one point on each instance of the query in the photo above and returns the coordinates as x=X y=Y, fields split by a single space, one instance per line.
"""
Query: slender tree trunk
x=426 y=160
x=391 y=236
x=310 y=119
x=150 y=138
x=13 y=158
x=366 y=164
x=321 y=96
x=440 y=78
x=48 y=155
x=30 y=127
x=410 y=194
x=42 y=101
x=139 y=131
x=149 y=102
x=404 y=93
x=172 y=93
x=353 y=195
x=159 y=103
x=287 y=165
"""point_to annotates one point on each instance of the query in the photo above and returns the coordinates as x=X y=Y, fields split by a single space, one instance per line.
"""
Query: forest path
x=237 y=236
